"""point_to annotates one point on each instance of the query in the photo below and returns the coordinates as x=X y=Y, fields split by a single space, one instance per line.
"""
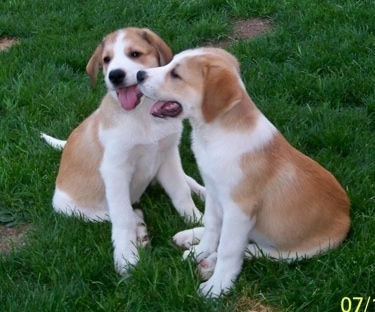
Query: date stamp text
x=357 y=304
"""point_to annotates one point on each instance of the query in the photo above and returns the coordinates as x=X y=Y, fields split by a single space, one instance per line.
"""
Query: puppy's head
x=202 y=83
x=121 y=55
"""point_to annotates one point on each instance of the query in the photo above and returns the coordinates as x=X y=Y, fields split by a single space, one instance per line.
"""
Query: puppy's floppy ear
x=165 y=53
x=221 y=91
x=94 y=64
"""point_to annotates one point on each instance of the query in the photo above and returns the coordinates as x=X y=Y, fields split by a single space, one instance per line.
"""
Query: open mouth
x=164 y=109
x=129 y=97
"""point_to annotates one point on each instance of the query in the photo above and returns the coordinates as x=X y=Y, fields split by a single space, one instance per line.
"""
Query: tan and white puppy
x=112 y=156
x=259 y=188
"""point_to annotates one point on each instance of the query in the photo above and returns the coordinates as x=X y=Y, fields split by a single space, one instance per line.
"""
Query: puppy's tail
x=55 y=143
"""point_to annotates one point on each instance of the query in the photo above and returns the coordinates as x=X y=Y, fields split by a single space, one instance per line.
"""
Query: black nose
x=141 y=76
x=116 y=76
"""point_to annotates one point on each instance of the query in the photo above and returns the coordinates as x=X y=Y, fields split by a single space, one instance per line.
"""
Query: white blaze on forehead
x=118 y=52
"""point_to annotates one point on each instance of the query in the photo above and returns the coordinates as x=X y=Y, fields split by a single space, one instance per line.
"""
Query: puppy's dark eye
x=106 y=59
x=135 y=54
x=175 y=75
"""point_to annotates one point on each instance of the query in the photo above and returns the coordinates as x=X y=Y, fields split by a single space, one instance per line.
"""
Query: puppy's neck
x=242 y=117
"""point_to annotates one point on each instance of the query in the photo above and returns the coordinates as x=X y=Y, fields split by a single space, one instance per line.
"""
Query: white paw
x=206 y=267
x=187 y=238
x=124 y=261
x=125 y=251
x=215 y=287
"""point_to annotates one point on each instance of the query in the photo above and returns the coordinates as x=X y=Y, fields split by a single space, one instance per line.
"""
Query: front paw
x=215 y=287
x=125 y=260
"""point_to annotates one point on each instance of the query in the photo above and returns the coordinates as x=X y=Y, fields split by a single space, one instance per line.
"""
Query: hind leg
x=258 y=251
x=63 y=203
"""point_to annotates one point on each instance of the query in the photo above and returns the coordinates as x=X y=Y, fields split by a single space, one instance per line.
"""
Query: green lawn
x=313 y=76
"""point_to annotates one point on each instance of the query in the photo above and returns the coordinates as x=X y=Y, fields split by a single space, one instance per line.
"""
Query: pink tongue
x=128 y=97
x=156 y=107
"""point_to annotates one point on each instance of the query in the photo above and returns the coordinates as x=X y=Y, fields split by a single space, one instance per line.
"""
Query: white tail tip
x=55 y=143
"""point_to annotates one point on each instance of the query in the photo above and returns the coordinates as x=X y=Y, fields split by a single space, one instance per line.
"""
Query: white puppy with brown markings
x=112 y=156
x=259 y=188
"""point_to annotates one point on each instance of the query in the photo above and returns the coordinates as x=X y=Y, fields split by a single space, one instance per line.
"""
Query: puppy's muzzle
x=161 y=109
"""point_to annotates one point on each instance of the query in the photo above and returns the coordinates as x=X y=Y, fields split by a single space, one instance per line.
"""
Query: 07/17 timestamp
x=357 y=304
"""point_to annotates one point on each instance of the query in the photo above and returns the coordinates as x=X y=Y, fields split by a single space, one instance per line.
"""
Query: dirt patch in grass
x=244 y=30
x=12 y=237
x=251 y=305
x=7 y=42
x=246 y=304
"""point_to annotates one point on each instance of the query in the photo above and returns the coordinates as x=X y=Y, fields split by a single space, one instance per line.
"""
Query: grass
x=313 y=76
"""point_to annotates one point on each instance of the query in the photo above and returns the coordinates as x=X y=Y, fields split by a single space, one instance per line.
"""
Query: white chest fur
x=219 y=152
x=135 y=147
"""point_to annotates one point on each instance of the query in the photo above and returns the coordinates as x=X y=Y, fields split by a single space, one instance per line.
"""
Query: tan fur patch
x=79 y=169
x=297 y=203
x=242 y=117
x=223 y=96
